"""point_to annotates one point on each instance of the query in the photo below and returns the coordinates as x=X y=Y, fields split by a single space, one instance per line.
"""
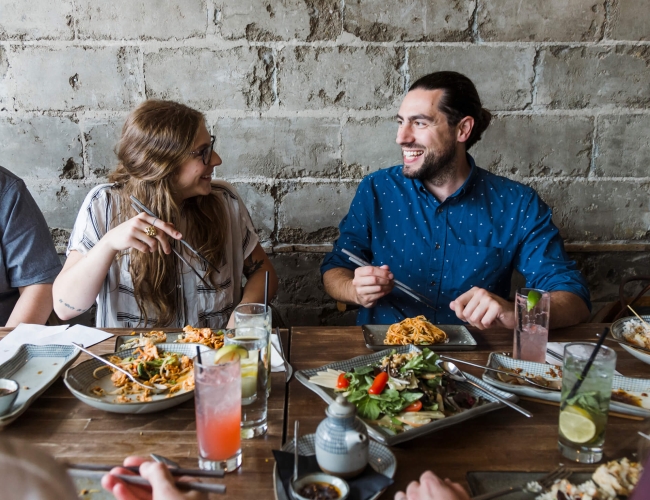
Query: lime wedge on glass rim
x=532 y=299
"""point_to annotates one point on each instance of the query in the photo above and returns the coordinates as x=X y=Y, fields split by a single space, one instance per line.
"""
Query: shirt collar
x=467 y=185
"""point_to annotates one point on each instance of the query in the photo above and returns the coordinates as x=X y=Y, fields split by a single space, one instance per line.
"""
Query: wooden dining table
x=503 y=440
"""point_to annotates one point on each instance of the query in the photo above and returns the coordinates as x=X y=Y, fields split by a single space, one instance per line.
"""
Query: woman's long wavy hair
x=156 y=140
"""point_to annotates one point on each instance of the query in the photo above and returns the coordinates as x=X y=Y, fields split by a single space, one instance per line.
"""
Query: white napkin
x=45 y=335
x=558 y=348
x=277 y=361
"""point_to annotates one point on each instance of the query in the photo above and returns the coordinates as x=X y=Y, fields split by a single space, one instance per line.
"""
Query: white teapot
x=342 y=440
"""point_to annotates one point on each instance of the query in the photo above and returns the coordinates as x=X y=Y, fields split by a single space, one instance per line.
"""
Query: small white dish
x=8 y=393
x=617 y=333
x=320 y=477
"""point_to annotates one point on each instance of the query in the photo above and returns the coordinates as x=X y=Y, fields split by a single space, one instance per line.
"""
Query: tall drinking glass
x=218 y=413
x=532 y=308
x=254 y=376
x=256 y=315
x=583 y=417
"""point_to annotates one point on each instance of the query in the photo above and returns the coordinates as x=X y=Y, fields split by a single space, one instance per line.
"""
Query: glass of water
x=254 y=377
x=259 y=315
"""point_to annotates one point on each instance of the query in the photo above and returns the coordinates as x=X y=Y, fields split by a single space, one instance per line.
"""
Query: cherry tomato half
x=342 y=382
x=378 y=384
x=414 y=406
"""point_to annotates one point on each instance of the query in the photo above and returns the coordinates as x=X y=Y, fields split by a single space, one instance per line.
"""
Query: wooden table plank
x=71 y=430
x=499 y=441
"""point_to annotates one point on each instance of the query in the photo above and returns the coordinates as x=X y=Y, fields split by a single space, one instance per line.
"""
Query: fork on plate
x=557 y=474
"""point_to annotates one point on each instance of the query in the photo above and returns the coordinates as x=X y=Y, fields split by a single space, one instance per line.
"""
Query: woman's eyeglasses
x=206 y=152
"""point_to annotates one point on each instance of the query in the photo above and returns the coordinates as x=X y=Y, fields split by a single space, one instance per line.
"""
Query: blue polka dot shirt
x=476 y=237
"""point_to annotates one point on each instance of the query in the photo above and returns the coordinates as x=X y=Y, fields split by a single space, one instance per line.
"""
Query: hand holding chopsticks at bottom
x=161 y=481
x=431 y=487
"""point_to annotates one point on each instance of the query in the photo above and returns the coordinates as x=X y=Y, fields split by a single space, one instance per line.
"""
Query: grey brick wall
x=302 y=96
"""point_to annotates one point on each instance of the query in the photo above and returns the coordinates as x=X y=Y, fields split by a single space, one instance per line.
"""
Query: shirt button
x=433 y=283
x=437 y=246
x=439 y=210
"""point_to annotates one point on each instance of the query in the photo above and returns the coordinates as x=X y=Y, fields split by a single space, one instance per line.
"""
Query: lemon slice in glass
x=532 y=299
x=577 y=425
x=228 y=353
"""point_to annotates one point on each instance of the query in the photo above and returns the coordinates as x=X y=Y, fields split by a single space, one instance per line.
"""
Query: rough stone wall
x=302 y=95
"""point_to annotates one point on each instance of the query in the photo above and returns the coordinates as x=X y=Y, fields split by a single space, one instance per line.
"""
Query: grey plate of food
x=35 y=368
x=387 y=436
x=633 y=331
x=210 y=338
x=91 y=381
x=634 y=390
x=458 y=338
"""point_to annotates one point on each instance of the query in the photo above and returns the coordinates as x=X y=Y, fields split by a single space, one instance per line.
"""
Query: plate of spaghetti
x=100 y=386
x=190 y=335
x=418 y=331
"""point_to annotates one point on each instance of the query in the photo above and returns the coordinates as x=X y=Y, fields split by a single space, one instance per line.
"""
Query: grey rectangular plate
x=383 y=436
x=485 y=482
x=35 y=368
x=459 y=338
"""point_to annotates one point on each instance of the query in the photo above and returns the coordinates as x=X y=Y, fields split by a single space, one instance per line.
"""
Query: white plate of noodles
x=170 y=364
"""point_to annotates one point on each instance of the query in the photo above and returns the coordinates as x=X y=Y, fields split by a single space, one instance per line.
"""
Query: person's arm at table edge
x=567 y=309
x=363 y=286
x=34 y=305
x=338 y=285
x=255 y=267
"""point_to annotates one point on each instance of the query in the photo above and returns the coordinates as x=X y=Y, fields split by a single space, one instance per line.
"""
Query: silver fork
x=546 y=482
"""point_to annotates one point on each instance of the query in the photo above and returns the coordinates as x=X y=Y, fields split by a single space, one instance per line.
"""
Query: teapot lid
x=341 y=408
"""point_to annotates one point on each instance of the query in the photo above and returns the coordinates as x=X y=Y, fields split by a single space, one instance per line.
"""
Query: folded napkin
x=558 y=349
x=277 y=361
x=46 y=335
x=362 y=487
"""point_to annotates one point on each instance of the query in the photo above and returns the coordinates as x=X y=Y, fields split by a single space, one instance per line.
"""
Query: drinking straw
x=585 y=370
x=198 y=354
x=266 y=291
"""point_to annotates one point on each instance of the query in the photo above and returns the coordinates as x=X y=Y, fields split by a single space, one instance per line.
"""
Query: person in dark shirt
x=28 y=259
x=447 y=228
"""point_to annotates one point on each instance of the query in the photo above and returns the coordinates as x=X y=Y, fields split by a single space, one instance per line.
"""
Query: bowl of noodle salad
x=99 y=386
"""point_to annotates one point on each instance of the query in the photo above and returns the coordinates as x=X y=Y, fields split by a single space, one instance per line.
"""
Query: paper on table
x=558 y=349
x=45 y=335
x=277 y=362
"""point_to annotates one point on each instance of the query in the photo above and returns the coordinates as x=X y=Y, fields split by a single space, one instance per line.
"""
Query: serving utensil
x=154 y=388
x=546 y=482
x=456 y=374
x=517 y=375
x=288 y=369
x=398 y=284
x=296 y=426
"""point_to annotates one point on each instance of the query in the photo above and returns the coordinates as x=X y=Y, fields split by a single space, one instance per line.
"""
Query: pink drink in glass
x=218 y=414
x=531 y=324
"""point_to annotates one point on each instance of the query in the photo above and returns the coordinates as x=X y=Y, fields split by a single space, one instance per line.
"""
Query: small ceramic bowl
x=319 y=477
x=8 y=394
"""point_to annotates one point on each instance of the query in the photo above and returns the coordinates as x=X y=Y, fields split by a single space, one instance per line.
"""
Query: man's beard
x=436 y=168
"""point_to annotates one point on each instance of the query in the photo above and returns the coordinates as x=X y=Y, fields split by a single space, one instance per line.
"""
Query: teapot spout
x=355 y=440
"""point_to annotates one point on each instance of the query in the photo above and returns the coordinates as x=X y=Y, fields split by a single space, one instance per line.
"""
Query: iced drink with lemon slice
x=532 y=309
x=253 y=344
x=583 y=417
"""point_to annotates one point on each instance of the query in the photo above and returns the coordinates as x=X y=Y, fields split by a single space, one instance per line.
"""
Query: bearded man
x=447 y=228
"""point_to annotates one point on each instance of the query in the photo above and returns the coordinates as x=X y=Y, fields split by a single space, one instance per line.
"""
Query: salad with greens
x=401 y=391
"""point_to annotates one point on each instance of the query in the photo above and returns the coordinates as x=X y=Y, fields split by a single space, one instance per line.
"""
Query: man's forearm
x=34 y=305
x=567 y=309
x=338 y=285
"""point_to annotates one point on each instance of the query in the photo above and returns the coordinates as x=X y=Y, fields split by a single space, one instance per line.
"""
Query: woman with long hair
x=123 y=258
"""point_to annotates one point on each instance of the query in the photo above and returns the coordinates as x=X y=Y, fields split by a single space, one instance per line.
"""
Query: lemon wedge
x=229 y=353
x=577 y=425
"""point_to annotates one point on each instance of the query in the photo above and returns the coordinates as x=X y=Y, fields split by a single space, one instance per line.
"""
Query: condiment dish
x=8 y=393
x=322 y=478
